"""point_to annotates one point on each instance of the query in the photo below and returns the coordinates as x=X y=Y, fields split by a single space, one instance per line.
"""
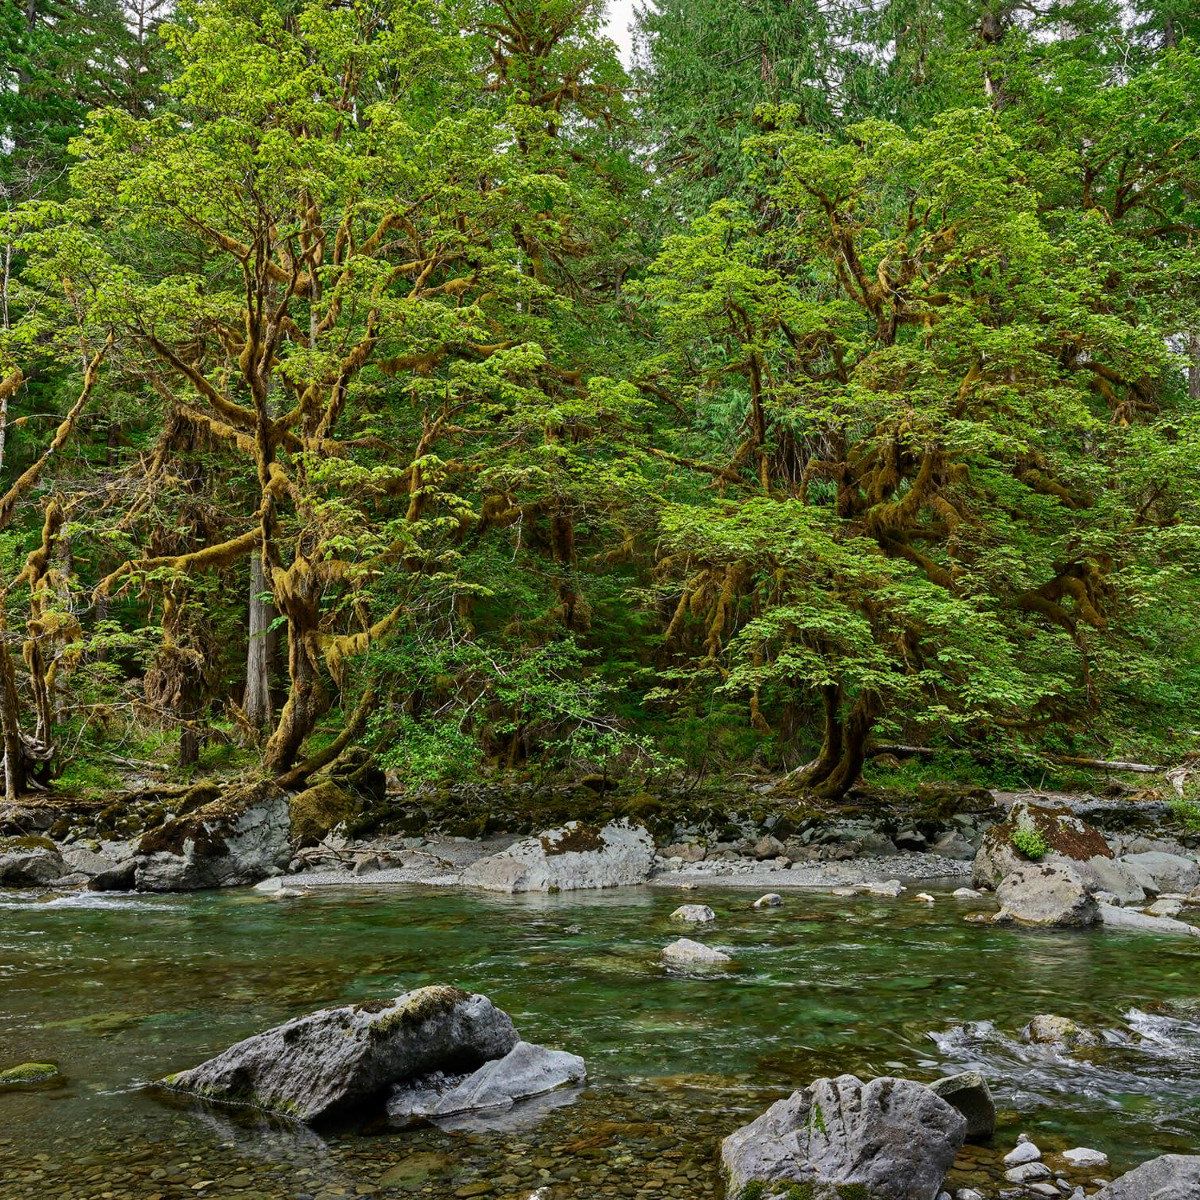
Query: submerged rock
x=1171 y=1177
x=338 y=1061
x=686 y=953
x=1046 y=894
x=568 y=859
x=30 y=1074
x=1051 y=1030
x=232 y=839
x=770 y=900
x=970 y=1094
x=695 y=914
x=888 y=1139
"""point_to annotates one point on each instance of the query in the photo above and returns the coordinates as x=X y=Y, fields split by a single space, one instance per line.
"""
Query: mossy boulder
x=29 y=861
x=318 y=810
x=1068 y=840
x=30 y=1074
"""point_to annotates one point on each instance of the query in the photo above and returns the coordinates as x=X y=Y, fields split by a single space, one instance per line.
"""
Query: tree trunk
x=261 y=652
x=307 y=701
x=10 y=722
x=832 y=741
x=855 y=730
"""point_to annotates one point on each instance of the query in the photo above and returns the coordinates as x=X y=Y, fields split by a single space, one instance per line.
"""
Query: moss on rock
x=318 y=810
x=27 y=1074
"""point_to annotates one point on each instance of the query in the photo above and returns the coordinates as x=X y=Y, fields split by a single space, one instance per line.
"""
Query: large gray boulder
x=1046 y=894
x=890 y=1139
x=525 y=1071
x=109 y=866
x=235 y=839
x=339 y=1061
x=1170 y=1177
x=1129 y=918
x=567 y=859
x=1070 y=840
x=29 y=862
x=1125 y=882
x=1165 y=872
x=970 y=1094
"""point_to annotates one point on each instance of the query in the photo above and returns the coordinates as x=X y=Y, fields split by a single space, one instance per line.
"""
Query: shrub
x=1030 y=842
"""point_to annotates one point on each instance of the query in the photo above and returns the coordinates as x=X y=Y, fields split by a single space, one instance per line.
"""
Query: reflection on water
x=124 y=989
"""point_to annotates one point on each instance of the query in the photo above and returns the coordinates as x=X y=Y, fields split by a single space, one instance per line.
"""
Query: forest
x=416 y=377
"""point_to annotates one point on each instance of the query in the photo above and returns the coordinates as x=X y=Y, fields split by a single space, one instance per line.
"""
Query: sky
x=620 y=17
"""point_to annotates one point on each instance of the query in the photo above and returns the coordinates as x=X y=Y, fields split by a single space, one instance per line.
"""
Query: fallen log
x=1066 y=760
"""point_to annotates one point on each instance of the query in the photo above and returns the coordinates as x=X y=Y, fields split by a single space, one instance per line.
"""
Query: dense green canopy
x=402 y=372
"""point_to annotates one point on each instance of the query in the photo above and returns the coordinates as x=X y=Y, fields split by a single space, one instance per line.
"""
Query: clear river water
x=120 y=990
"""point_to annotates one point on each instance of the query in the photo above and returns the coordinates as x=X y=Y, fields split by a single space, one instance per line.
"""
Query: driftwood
x=1066 y=760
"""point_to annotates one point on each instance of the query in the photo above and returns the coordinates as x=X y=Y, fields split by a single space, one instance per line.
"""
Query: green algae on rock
x=29 y=1074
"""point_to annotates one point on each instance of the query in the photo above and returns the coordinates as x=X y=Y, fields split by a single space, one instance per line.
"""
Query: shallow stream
x=124 y=989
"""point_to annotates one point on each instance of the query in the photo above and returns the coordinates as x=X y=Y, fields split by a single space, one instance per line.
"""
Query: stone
x=893 y=1138
x=969 y=1093
x=1164 y=908
x=966 y=893
x=29 y=862
x=768 y=847
x=1046 y=894
x=574 y=857
x=953 y=844
x=1070 y=840
x=924 y=898
x=695 y=914
x=684 y=851
x=1128 y=918
x=888 y=887
x=1024 y=1152
x=29 y=1075
x=686 y=953
x=1121 y=879
x=1170 y=1177
x=1051 y=1030
x=106 y=866
x=339 y=1061
x=1166 y=872
x=770 y=900
x=318 y=810
x=1081 y=1157
x=525 y=1071
x=233 y=839
x=968 y=1194
x=1027 y=1172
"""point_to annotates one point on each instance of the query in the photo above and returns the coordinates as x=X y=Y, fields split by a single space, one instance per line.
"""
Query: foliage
x=1030 y=842
x=401 y=372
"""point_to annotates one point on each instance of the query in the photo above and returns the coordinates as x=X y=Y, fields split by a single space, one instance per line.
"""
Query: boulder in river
x=567 y=859
x=1069 y=839
x=231 y=838
x=887 y=1139
x=695 y=914
x=1051 y=1030
x=525 y=1071
x=29 y=862
x=1169 y=1177
x=1129 y=918
x=339 y=1061
x=1046 y=894
x=686 y=953
x=970 y=1094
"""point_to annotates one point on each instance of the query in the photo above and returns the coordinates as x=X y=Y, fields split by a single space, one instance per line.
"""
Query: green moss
x=817 y=1117
x=421 y=1005
x=29 y=842
x=319 y=809
x=579 y=840
x=27 y=1073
